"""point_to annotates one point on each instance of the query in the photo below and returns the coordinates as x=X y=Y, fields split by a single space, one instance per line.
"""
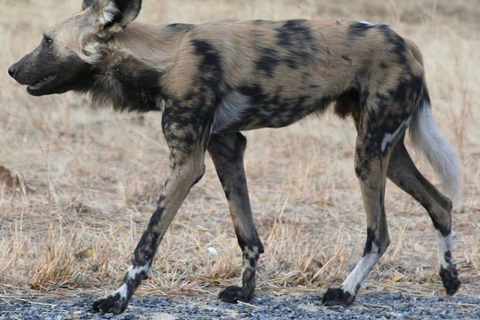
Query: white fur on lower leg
x=246 y=261
x=122 y=290
x=444 y=246
x=356 y=277
x=133 y=272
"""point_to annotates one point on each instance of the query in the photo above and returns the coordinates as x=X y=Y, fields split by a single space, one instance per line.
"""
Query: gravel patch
x=265 y=306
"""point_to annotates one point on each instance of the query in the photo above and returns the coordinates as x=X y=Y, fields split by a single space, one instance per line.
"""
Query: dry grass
x=86 y=180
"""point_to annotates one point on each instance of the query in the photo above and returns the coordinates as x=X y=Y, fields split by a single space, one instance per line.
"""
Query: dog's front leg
x=187 y=142
x=227 y=151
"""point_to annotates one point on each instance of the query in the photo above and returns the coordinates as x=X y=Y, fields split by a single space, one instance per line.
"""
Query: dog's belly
x=238 y=112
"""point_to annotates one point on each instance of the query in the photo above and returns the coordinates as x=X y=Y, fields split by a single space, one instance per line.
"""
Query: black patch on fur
x=129 y=86
x=293 y=32
x=146 y=247
x=296 y=37
x=210 y=65
x=268 y=61
x=292 y=63
x=252 y=262
x=370 y=240
x=255 y=92
x=400 y=48
x=405 y=88
x=180 y=27
x=241 y=242
x=348 y=103
x=359 y=29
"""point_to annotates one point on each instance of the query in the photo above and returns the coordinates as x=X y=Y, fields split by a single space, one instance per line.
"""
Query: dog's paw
x=337 y=297
x=450 y=280
x=111 y=304
x=233 y=294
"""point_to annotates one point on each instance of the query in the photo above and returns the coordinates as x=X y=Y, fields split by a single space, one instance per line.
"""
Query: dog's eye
x=48 y=40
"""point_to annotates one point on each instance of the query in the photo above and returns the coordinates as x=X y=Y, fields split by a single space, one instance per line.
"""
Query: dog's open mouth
x=40 y=84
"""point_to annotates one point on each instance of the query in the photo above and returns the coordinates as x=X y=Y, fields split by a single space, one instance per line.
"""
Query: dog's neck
x=131 y=67
x=154 y=45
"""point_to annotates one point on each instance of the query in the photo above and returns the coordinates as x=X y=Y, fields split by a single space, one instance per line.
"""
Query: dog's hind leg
x=403 y=172
x=370 y=167
x=187 y=136
x=227 y=151
x=380 y=123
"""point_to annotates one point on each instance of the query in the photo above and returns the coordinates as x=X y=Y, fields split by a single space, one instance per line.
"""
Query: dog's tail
x=427 y=139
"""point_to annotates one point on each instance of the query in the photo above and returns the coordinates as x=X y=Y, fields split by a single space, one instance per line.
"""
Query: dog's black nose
x=11 y=71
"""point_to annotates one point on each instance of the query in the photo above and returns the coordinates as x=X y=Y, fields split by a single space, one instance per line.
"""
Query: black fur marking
x=287 y=109
x=359 y=29
x=371 y=238
x=407 y=86
x=292 y=63
x=348 y=103
x=296 y=36
x=268 y=61
x=255 y=91
x=337 y=296
x=129 y=86
x=162 y=198
x=252 y=262
x=294 y=32
x=210 y=65
x=241 y=242
x=400 y=48
x=146 y=248
x=180 y=27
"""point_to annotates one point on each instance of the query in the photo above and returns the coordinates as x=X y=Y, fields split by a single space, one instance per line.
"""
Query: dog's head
x=67 y=55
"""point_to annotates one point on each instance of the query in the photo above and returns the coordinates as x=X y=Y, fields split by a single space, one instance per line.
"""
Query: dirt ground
x=85 y=180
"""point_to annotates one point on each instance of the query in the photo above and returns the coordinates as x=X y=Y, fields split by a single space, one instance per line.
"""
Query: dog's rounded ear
x=86 y=4
x=114 y=15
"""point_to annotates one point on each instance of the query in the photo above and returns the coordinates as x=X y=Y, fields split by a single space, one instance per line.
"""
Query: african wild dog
x=214 y=80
